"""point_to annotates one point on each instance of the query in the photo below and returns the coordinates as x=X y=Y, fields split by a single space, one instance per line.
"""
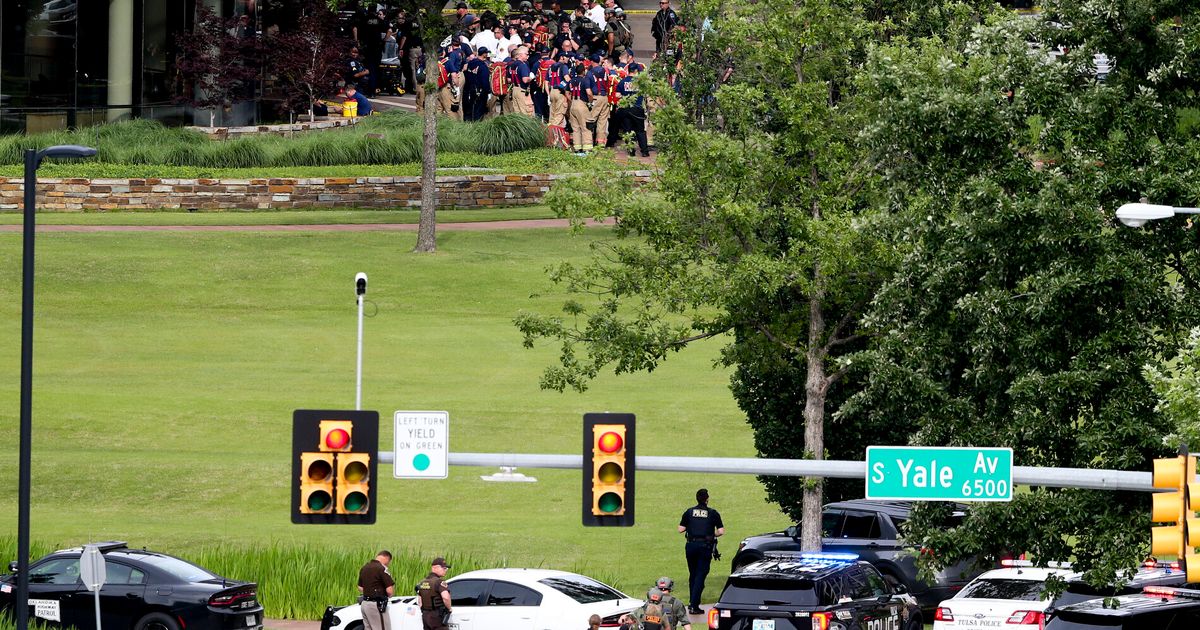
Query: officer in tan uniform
x=376 y=586
x=435 y=596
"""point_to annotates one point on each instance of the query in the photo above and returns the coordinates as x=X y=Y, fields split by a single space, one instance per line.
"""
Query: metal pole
x=1091 y=478
x=26 y=430
x=358 y=376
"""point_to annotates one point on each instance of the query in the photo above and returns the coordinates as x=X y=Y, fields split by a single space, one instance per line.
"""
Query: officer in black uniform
x=702 y=525
x=376 y=586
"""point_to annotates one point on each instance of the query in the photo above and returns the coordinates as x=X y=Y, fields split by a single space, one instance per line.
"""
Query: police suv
x=813 y=591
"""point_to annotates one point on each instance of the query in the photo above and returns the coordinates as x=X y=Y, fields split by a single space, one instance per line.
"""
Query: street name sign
x=422 y=445
x=946 y=473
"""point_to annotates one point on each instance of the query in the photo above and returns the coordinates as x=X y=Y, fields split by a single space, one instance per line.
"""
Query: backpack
x=500 y=78
x=544 y=80
x=624 y=34
x=443 y=76
x=653 y=619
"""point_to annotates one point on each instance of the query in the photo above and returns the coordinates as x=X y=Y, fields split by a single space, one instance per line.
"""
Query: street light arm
x=1137 y=214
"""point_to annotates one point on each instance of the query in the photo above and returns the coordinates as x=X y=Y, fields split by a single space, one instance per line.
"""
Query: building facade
x=74 y=63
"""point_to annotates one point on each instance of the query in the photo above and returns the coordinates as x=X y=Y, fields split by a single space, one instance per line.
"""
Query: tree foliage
x=218 y=66
x=307 y=61
x=1022 y=313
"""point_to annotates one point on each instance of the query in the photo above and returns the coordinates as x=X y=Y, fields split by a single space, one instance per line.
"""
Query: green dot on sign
x=421 y=461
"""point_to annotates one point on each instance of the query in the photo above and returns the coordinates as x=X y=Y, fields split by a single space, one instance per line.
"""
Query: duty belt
x=698 y=539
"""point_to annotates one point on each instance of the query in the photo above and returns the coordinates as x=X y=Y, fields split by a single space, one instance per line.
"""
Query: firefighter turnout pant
x=519 y=101
x=581 y=133
x=601 y=112
x=558 y=108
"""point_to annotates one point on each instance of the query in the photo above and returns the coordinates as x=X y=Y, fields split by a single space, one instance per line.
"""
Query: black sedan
x=143 y=590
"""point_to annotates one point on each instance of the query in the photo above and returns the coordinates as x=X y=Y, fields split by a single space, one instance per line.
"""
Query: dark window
x=899 y=522
x=182 y=570
x=856 y=584
x=583 y=589
x=860 y=525
x=56 y=571
x=770 y=592
x=117 y=573
x=466 y=592
x=1024 y=590
x=875 y=581
x=509 y=594
x=831 y=524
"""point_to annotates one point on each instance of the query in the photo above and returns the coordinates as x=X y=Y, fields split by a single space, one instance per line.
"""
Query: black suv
x=811 y=591
x=1152 y=574
x=143 y=590
x=869 y=529
x=1155 y=608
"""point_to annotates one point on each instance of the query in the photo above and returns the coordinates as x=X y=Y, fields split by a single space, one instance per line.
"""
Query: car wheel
x=357 y=625
x=157 y=621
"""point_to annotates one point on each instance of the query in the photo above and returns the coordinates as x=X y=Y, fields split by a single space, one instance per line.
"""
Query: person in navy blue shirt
x=364 y=105
x=583 y=90
x=520 y=77
x=631 y=114
x=478 y=85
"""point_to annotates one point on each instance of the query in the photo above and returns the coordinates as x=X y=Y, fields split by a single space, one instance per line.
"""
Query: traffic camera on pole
x=334 y=460
x=1180 y=534
x=608 y=469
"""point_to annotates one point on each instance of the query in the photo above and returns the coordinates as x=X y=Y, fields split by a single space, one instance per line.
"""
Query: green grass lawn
x=276 y=217
x=167 y=367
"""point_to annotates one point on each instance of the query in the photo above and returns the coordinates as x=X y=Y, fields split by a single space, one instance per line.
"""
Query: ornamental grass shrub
x=394 y=137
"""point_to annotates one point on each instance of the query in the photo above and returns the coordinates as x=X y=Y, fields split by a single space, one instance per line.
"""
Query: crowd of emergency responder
x=574 y=70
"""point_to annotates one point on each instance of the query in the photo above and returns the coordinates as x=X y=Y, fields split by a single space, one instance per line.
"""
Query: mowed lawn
x=167 y=367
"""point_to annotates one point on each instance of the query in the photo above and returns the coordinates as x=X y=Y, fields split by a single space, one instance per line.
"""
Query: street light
x=1137 y=214
x=33 y=159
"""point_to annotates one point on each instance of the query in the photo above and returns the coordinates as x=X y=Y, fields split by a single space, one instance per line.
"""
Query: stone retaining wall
x=462 y=191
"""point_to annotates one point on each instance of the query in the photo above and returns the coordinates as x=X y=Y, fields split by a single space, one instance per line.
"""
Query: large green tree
x=1022 y=313
x=759 y=229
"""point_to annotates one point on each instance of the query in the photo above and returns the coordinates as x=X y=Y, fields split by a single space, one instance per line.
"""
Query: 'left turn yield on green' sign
x=422 y=444
x=944 y=473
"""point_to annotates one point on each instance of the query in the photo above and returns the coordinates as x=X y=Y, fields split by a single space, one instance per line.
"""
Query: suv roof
x=1135 y=604
x=798 y=565
x=897 y=508
x=104 y=546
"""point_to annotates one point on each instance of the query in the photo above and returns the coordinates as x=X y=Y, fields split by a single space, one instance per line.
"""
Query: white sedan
x=1010 y=597
x=512 y=599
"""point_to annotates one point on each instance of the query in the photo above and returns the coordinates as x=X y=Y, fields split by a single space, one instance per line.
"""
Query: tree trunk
x=426 y=231
x=815 y=387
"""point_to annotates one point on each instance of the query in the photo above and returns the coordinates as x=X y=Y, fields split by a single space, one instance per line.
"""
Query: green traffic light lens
x=319 y=470
x=319 y=501
x=355 y=502
x=355 y=472
x=609 y=502
x=611 y=472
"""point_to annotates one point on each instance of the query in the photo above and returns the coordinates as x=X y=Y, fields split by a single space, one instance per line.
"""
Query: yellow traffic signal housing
x=316 y=483
x=608 y=472
x=337 y=436
x=353 y=483
x=1181 y=533
x=335 y=454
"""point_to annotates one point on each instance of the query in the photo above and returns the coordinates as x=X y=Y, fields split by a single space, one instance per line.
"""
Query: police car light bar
x=1009 y=563
x=830 y=557
x=1170 y=591
x=1152 y=564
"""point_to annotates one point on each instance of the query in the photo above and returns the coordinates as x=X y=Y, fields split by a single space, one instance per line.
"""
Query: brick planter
x=461 y=191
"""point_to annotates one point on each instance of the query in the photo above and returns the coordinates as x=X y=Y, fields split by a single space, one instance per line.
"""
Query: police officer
x=435 y=596
x=702 y=525
x=673 y=609
x=376 y=586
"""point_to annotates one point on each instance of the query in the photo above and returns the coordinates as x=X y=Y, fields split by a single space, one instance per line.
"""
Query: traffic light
x=1182 y=534
x=608 y=469
x=334 y=460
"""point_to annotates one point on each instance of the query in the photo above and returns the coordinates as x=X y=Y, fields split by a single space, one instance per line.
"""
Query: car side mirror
x=793 y=531
x=899 y=589
x=13 y=566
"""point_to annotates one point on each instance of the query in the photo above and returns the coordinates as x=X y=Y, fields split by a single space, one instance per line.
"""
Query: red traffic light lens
x=610 y=442
x=337 y=439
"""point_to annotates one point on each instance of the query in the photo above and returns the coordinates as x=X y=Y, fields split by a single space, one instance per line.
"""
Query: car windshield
x=770 y=592
x=582 y=589
x=185 y=571
x=1025 y=590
